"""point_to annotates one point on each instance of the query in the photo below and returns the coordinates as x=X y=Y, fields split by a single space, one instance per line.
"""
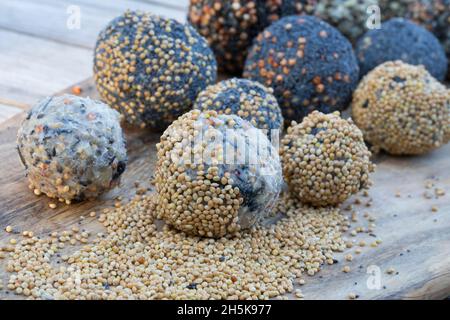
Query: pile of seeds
x=139 y=259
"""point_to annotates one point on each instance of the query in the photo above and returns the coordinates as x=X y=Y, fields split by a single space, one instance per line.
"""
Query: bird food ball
x=72 y=148
x=435 y=16
x=151 y=69
x=216 y=174
x=230 y=26
x=307 y=62
x=248 y=99
x=401 y=39
x=348 y=16
x=325 y=159
x=402 y=109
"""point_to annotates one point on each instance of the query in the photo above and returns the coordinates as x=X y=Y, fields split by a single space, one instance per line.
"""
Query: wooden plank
x=32 y=68
x=7 y=112
x=48 y=18
x=416 y=241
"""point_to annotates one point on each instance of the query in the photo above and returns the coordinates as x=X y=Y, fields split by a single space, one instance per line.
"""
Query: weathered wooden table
x=39 y=56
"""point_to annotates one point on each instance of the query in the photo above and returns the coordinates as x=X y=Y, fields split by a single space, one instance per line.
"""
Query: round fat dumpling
x=151 y=69
x=309 y=64
x=401 y=39
x=215 y=175
x=402 y=109
x=72 y=148
x=248 y=99
x=230 y=26
x=325 y=159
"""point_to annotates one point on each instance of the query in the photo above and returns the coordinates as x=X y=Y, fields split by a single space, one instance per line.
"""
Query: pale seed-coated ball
x=215 y=174
x=72 y=147
x=402 y=109
x=248 y=99
x=325 y=159
x=150 y=68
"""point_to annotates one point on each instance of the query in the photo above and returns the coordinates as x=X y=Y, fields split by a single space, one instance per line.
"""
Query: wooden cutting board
x=416 y=241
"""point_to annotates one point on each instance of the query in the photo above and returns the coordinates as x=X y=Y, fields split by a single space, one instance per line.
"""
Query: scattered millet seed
x=362 y=243
x=57 y=164
x=434 y=209
x=298 y=294
x=52 y=205
x=346 y=269
x=9 y=229
x=390 y=270
x=408 y=90
x=439 y=192
x=349 y=257
x=92 y=214
x=150 y=68
x=168 y=264
x=352 y=296
x=325 y=159
x=13 y=241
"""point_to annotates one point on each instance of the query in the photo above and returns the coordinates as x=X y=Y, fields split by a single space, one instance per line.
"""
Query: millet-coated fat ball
x=401 y=39
x=402 y=109
x=248 y=99
x=72 y=148
x=230 y=26
x=325 y=159
x=215 y=174
x=150 y=68
x=309 y=64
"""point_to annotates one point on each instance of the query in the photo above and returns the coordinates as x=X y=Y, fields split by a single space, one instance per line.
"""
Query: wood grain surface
x=416 y=241
x=41 y=55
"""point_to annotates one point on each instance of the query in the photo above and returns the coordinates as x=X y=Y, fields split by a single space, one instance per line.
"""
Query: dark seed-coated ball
x=215 y=175
x=325 y=159
x=309 y=64
x=401 y=39
x=435 y=16
x=348 y=16
x=402 y=109
x=151 y=69
x=248 y=99
x=72 y=147
x=230 y=26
